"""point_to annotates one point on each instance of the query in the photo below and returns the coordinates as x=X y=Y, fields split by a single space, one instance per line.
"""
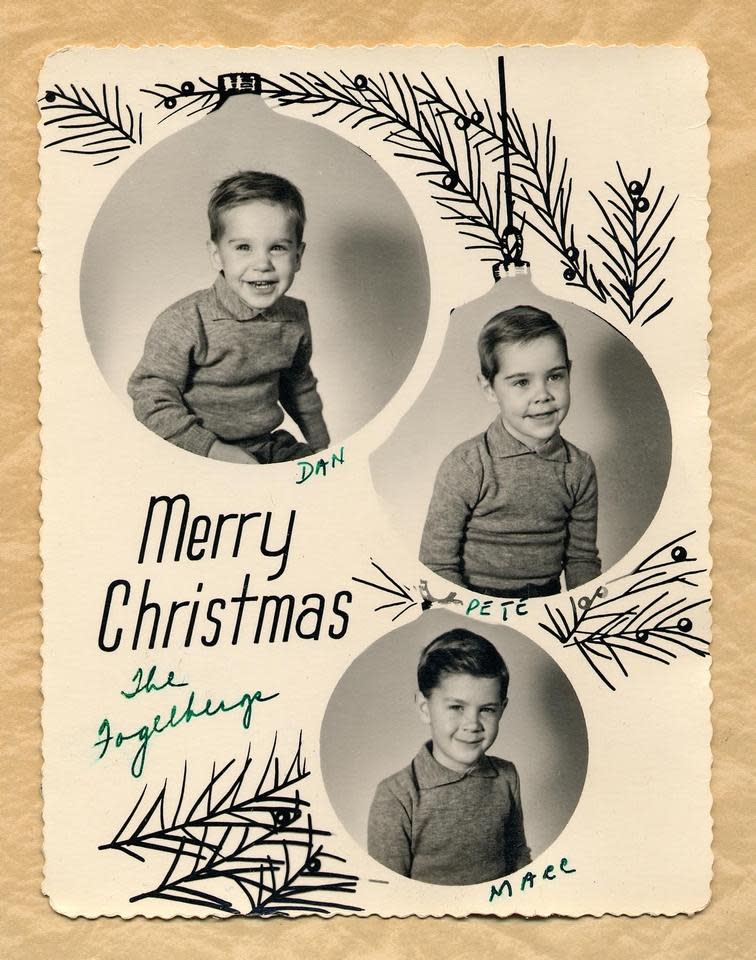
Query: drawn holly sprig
x=645 y=613
x=93 y=127
x=252 y=835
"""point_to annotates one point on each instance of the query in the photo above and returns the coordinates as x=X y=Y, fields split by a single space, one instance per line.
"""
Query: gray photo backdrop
x=364 y=274
x=618 y=415
x=372 y=728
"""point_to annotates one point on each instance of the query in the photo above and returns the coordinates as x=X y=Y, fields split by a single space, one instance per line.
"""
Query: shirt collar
x=501 y=443
x=430 y=773
x=222 y=303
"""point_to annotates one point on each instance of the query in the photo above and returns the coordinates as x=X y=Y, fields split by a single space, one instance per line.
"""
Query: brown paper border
x=30 y=929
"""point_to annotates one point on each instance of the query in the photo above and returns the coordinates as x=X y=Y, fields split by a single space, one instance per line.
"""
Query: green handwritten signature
x=175 y=718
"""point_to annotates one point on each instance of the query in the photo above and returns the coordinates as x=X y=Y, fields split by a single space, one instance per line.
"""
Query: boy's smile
x=258 y=252
x=463 y=712
x=532 y=388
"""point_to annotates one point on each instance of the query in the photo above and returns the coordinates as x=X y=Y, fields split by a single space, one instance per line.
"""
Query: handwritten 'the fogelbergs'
x=132 y=616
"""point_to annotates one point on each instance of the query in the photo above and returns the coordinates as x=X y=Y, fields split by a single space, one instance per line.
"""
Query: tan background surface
x=726 y=929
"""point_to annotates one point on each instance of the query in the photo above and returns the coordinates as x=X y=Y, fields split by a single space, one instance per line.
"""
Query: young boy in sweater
x=454 y=815
x=219 y=365
x=516 y=507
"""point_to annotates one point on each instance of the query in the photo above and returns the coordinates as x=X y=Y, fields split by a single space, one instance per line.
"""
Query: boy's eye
x=557 y=376
x=520 y=383
x=242 y=247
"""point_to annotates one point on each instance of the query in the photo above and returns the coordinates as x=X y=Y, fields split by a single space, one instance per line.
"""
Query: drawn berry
x=584 y=603
x=360 y=81
x=572 y=254
x=314 y=865
x=187 y=87
x=281 y=818
x=641 y=636
x=569 y=274
x=635 y=188
x=50 y=96
x=679 y=554
x=476 y=116
x=642 y=205
x=450 y=181
x=602 y=592
x=684 y=625
x=169 y=103
x=461 y=122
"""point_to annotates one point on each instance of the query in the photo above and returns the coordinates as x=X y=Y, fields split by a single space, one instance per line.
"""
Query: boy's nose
x=543 y=392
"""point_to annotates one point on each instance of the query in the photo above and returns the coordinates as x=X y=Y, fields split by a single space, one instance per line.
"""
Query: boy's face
x=257 y=252
x=532 y=388
x=463 y=712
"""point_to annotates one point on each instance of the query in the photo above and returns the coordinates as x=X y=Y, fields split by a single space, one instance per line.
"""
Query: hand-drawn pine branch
x=393 y=588
x=649 y=617
x=91 y=127
x=239 y=846
x=200 y=96
x=630 y=245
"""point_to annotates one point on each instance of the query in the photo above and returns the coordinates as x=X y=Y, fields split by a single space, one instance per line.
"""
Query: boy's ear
x=300 y=254
x=504 y=703
x=487 y=389
x=421 y=703
x=212 y=249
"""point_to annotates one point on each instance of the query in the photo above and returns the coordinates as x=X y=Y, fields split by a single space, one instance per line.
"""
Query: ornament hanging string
x=512 y=235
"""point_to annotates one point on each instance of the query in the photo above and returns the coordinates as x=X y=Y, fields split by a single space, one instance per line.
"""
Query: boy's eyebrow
x=527 y=373
x=491 y=703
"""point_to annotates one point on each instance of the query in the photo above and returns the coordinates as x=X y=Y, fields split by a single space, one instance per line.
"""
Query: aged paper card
x=375 y=481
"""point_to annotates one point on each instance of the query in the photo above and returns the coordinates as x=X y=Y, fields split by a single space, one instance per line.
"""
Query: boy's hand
x=230 y=453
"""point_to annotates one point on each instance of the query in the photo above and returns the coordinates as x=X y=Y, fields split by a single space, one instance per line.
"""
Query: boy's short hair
x=521 y=324
x=460 y=651
x=249 y=185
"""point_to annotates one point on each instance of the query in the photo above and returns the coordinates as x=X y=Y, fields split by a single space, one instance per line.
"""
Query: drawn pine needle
x=245 y=845
x=400 y=596
x=649 y=616
x=93 y=127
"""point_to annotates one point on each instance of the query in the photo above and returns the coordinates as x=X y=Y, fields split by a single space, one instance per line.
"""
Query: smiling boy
x=219 y=365
x=454 y=815
x=516 y=507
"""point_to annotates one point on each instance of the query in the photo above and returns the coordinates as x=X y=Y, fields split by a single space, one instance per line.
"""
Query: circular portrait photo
x=454 y=753
x=254 y=287
x=538 y=453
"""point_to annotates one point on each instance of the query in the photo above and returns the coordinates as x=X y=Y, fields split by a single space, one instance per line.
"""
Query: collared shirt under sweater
x=504 y=516
x=214 y=368
x=442 y=826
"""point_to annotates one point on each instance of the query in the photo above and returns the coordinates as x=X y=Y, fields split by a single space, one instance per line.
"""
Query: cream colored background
x=723 y=930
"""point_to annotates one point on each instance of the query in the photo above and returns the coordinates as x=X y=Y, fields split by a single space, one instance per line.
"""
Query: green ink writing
x=148 y=684
x=174 y=719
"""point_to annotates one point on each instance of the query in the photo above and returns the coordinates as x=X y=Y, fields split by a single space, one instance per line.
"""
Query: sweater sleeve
x=455 y=494
x=160 y=379
x=390 y=831
x=582 y=561
x=517 y=850
x=299 y=395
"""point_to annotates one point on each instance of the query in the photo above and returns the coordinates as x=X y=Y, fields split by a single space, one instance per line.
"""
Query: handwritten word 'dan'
x=320 y=467
x=528 y=880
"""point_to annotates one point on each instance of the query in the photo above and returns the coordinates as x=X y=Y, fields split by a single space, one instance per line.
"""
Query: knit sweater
x=213 y=368
x=441 y=826
x=505 y=516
